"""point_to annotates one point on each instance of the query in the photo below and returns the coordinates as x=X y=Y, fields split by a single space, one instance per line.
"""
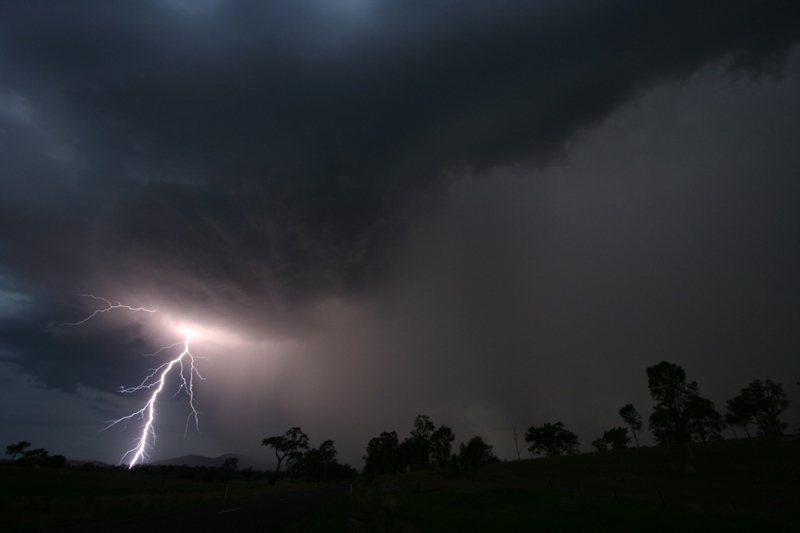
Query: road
x=265 y=514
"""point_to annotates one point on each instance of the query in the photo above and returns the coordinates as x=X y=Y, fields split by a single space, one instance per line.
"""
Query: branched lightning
x=154 y=382
x=106 y=309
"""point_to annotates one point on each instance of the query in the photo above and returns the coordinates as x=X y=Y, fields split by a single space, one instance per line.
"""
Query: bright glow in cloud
x=155 y=382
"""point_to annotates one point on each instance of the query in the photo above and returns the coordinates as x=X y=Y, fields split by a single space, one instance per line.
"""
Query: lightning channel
x=184 y=362
x=110 y=307
x=183 y=365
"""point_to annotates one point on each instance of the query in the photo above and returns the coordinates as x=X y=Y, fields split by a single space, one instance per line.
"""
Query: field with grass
x=36 y=498
x=738 y=485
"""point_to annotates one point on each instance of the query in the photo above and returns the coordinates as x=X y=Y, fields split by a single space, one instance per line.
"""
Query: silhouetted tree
x=442 y=447
x=17 y=449
x=423 y=428
x=738 y=414
x=552 y=439
x=616 y=437
x=381 y=456
x=308 y=467
x=342 y=472
x=317 y=464
x=633 y=419
x=475 y=453
x=289 y=446
x=37 y=456
x=328 y=453
x=405 y=455
x=668 y=387
x=231 y=464
x=34 y=457
x=703 y=421
x=761 y=403
x=417 y=448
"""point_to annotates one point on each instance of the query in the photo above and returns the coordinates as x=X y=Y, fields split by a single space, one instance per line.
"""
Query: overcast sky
x=495 y=213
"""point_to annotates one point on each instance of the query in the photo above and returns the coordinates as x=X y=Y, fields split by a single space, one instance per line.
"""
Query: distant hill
x=201 y=460
x=82 y=462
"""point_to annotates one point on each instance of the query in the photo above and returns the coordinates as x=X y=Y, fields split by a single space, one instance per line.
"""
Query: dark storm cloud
x=244 y=161
x=292 y=139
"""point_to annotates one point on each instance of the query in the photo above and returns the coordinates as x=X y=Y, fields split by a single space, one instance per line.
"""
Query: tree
x=289 y=446
x=406 y=453
x=342 y=472
x=231 y=464
x=668 y=387
x=739 y=413
x=17 y=449
x=327 y=453
x=600 y=445
x=423 y=428
x=37 y=456
x=381 y=456
x=442 y=447
x=317 y=464
x=475 y=453
x=616 y=437
x=552 y=439
x=762 y=403
x=305 y=466
x=417 y=448
x=633 y=419
x=703 y=421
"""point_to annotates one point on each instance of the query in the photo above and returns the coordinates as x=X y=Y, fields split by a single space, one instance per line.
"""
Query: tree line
x=680 y=416
x=312 y=464
x=427 y=447
x=23 y=455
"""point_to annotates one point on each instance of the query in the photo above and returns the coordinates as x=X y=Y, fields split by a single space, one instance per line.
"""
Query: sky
x=494 y=213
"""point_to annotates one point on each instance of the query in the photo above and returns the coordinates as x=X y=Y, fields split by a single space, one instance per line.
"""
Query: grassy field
x=42 y=498
x=739 y=485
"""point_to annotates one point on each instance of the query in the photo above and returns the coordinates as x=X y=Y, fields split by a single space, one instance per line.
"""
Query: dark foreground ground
x=736 y=486
x=263 y=514
x=732 y=486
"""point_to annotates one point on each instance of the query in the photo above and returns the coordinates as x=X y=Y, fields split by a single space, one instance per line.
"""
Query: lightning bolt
x=154 y=382
x=110 y=307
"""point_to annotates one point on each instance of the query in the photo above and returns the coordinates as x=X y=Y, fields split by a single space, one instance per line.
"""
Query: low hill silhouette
x=201 y=460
